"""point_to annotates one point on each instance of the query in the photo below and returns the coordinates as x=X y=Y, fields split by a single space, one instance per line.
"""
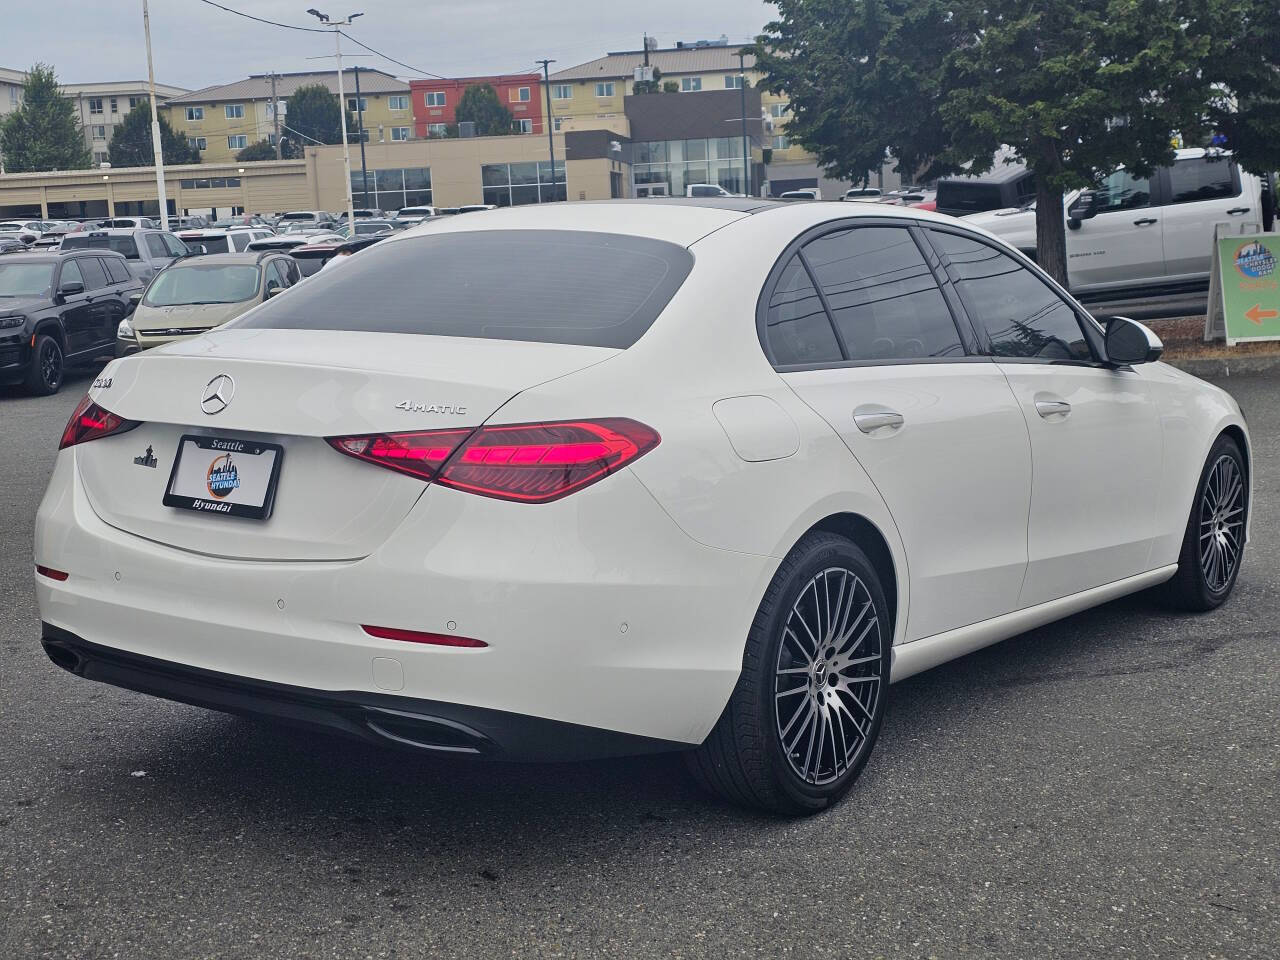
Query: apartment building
x=221 y=121
x=435 y=102
x=100 y=107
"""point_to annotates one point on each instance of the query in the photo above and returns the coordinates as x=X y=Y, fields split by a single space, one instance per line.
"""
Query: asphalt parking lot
x=1108 y=786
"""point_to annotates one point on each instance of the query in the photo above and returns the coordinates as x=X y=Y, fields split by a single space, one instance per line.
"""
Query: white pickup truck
x=1144 y=236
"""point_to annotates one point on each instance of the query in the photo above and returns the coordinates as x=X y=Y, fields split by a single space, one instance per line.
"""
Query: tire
x=47 y=367
x=744 y=760
x=1213 y=544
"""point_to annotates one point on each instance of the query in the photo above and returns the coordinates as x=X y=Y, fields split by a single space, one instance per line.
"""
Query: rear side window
x=882 y=294
x=796 y=326
x=969 y=196
x=1022 y=316
x=155 y=247
x=120 y=243
x=116 y=270
x=553 y=286
x=94 y=276
x=209 y=244
x=1204 y=178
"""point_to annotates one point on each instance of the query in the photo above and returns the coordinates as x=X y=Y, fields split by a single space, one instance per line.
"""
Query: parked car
x=28 y=231
x=366 y=228
x=58 y=308
x=587 y=510
x=53 y=234
x=412 y=215
x=804 y=193
x=292 y=240
x=133 y=223
x=349 y=248
x=11 y=244
x=862 y=195
x=203 y=292
x=223 y=240
x=708 y=190
x=1005 y=185
x=1141 y=236
x=240 y=220
x=316 y=252
x=148 y=251
x=363 y=213
x=309 y=218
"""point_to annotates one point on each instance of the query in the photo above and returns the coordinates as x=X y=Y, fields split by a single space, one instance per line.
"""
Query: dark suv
x=59 y=308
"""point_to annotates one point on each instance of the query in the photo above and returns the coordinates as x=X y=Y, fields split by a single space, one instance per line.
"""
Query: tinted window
x=1022 y=316
x=556 y=286
x=175 y=246
x=279 y=275
x=117 y=272
x=970 y=196
x=70 y=273
x=209 y=244
x=240 y=241
x=155 y=247
x=885 y=302
x=94 y=274
x=120 y=243
x=797 y=328
x=1123 y=191
x=1206 y=178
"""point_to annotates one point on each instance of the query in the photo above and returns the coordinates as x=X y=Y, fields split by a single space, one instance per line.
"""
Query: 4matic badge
x=413 y=406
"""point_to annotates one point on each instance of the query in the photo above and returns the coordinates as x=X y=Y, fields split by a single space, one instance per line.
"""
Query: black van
x=1004 y=185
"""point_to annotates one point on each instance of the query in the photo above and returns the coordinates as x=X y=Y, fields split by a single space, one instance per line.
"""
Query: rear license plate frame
x=211 y=504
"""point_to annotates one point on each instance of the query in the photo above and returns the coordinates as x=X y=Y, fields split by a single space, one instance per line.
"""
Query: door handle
x=1052 y=408
x=871 y=417
x=1237 y=210
x=1145 y=222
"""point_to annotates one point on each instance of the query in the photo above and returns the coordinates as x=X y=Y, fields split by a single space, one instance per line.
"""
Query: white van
x=708 y=190
x=1145 y=235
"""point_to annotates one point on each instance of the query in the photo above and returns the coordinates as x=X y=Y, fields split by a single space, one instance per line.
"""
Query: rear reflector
x=526 y=462
x=92 y=422
x=417 y=636
x=51 y=573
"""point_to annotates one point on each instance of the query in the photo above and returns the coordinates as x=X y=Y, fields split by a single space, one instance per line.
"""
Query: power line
x=249 y=16
x=399 y=63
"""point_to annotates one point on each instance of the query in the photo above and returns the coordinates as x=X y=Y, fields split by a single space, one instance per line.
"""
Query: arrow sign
x=1256 y=314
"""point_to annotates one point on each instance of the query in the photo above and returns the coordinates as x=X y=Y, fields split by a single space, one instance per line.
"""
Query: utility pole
x=746 y=153
x=155 y=124
x=275 y=112
x=364 y=173
x=336 y=26
x=551 y=143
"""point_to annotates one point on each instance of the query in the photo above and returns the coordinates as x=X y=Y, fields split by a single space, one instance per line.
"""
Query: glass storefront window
x=392 y=189
x=717 y=160
x=515 y=184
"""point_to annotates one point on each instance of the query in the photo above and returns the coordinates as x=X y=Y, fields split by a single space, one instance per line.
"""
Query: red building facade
x=435 y=102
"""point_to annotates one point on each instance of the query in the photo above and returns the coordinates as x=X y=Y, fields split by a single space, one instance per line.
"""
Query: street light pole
x=364 y=170
x=156 y=146
x=746 y=155
x=551 y=143
x=336 y=26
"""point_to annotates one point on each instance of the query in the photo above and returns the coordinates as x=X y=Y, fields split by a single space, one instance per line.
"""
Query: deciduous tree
x=314 y=112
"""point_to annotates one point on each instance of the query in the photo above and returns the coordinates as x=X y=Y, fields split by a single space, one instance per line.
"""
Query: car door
x=1122 y=243
x=1199 y=192
x=76 y=309
x=1096 y=439
x=114 y=299
x=859 y=326
x=100 y=299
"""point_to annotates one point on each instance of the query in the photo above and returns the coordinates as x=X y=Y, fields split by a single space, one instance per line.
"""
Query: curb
x=1225 y=366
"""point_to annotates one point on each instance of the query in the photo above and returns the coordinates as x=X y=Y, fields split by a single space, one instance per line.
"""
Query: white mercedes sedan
x=618 y=477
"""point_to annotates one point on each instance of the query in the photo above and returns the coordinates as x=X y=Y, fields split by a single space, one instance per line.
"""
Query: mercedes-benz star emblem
x=217 y=394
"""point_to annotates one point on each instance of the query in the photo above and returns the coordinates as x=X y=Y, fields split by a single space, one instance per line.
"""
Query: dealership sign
x=1248 y=277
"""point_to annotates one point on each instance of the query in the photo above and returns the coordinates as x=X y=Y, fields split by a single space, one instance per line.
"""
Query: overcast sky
x=196 y=45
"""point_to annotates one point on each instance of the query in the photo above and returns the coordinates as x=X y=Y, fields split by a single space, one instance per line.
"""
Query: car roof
x=120 y=231
x=52 y=255
x=252 y=258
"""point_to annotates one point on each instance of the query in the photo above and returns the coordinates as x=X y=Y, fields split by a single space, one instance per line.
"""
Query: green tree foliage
x=1245 y=63
x=43 y=134
x=314 y=112
x=670 y=86
x=480 y=105
x=262 y=150
x=131 y=144
x=1073 y=87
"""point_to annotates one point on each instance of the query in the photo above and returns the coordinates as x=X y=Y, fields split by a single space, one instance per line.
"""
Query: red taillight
x=418 y=636
x=419 y=454
x=91 y=422
x=51 y=573
x=528 y=462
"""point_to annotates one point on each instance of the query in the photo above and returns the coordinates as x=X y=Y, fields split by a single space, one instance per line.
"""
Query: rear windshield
x=299 y=216
x=207 y=244
x=969 y=196
x=551 y=286
x=117 y=242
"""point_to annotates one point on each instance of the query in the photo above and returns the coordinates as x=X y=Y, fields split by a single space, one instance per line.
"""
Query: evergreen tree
x=43 y=134
x=131 y=144
x=480 y=105
x=314 y=112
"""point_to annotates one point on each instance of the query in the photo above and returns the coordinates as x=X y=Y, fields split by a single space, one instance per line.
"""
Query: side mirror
x=273 y=289
x=70 y=288
x=1085 y=207
x=134 y=300
x=1129 y=342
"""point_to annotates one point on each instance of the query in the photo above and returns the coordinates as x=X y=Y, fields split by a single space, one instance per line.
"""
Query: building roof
x=258 y=86
x=506 y=78
x=674 y=60
x=18 y=77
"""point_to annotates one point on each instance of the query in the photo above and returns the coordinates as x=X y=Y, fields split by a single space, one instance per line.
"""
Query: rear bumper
x=429 y=726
